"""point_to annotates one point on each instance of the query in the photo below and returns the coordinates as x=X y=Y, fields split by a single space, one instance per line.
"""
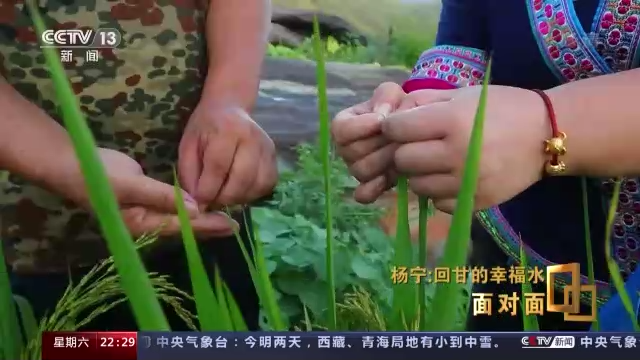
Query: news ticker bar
x=323 y=345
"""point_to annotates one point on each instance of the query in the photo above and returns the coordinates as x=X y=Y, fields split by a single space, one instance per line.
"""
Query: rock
x=280 y=35
x=366 y=77
x=300 y=23
x=287 y=106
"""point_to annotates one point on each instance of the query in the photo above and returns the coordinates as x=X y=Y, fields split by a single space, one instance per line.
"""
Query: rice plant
x=97 y=293
x=123 y=277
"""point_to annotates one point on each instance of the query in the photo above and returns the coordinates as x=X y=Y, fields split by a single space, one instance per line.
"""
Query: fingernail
x=192 y=208
x=382 y=110
x=188 y=198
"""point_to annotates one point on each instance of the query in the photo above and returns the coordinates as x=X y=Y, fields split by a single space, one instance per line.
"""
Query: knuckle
x=337 y=129
x=389 y=86
x=361 y=171
x=357 y=151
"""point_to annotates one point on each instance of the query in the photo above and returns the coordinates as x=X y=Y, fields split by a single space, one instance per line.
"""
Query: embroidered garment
x=539 y=44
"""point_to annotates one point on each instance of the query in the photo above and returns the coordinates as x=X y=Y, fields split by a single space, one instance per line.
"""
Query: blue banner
x=382 y=346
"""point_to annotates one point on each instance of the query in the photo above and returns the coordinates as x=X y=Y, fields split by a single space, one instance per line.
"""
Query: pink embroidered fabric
x=446 y=67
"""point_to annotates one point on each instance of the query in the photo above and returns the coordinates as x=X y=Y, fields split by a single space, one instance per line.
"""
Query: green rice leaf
x=260 y=276
x=423 y=214
x=449 y=297
x=10 y=332
x=325 y=150
x=225 y=316
x=207 y=306
x=405 y=296
x=27 y=318
x=234 y=311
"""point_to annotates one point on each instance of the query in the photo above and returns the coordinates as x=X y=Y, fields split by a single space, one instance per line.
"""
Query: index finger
x=428 y=122
x=346 y=131
x=355 y=110
x=216 y=164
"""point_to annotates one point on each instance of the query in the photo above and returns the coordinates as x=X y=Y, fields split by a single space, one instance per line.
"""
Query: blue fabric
x=549 y=215
x=502 y=29
x=463 y=23
x=613 y=316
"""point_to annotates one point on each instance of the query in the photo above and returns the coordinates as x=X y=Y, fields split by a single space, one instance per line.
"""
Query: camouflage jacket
x=136 y=97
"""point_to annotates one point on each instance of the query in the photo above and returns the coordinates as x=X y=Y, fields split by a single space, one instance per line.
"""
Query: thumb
x=386 y=98
x=150 y=193
x=189 y=162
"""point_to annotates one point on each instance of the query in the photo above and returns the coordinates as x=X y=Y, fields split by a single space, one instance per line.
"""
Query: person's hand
x=147 y=205
x=359 y=141
x=433 y=139
x=225 y=158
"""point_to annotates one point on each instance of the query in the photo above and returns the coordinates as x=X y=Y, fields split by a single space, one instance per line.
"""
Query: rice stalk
x=97 y=293
x=423 y=214
x=325 y=151
x=587 y=240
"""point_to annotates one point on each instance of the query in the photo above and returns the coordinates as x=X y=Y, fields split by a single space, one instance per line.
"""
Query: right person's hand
x=148 y=205
x=359 y=141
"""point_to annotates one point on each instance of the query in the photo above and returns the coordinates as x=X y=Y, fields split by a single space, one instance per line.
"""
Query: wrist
x=66 y=180
x=223 y=89
x=59 y=174
x=540 y=131
x=565 y=124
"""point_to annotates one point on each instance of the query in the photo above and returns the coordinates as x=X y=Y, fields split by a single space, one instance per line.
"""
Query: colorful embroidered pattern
x=615 y=34
x=566 y=47
x=496 y=224
x=571 y=55
x=626 y=227
x=460 y=66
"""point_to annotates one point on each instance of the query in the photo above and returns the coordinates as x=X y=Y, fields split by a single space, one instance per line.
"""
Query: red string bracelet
x=555 y=146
